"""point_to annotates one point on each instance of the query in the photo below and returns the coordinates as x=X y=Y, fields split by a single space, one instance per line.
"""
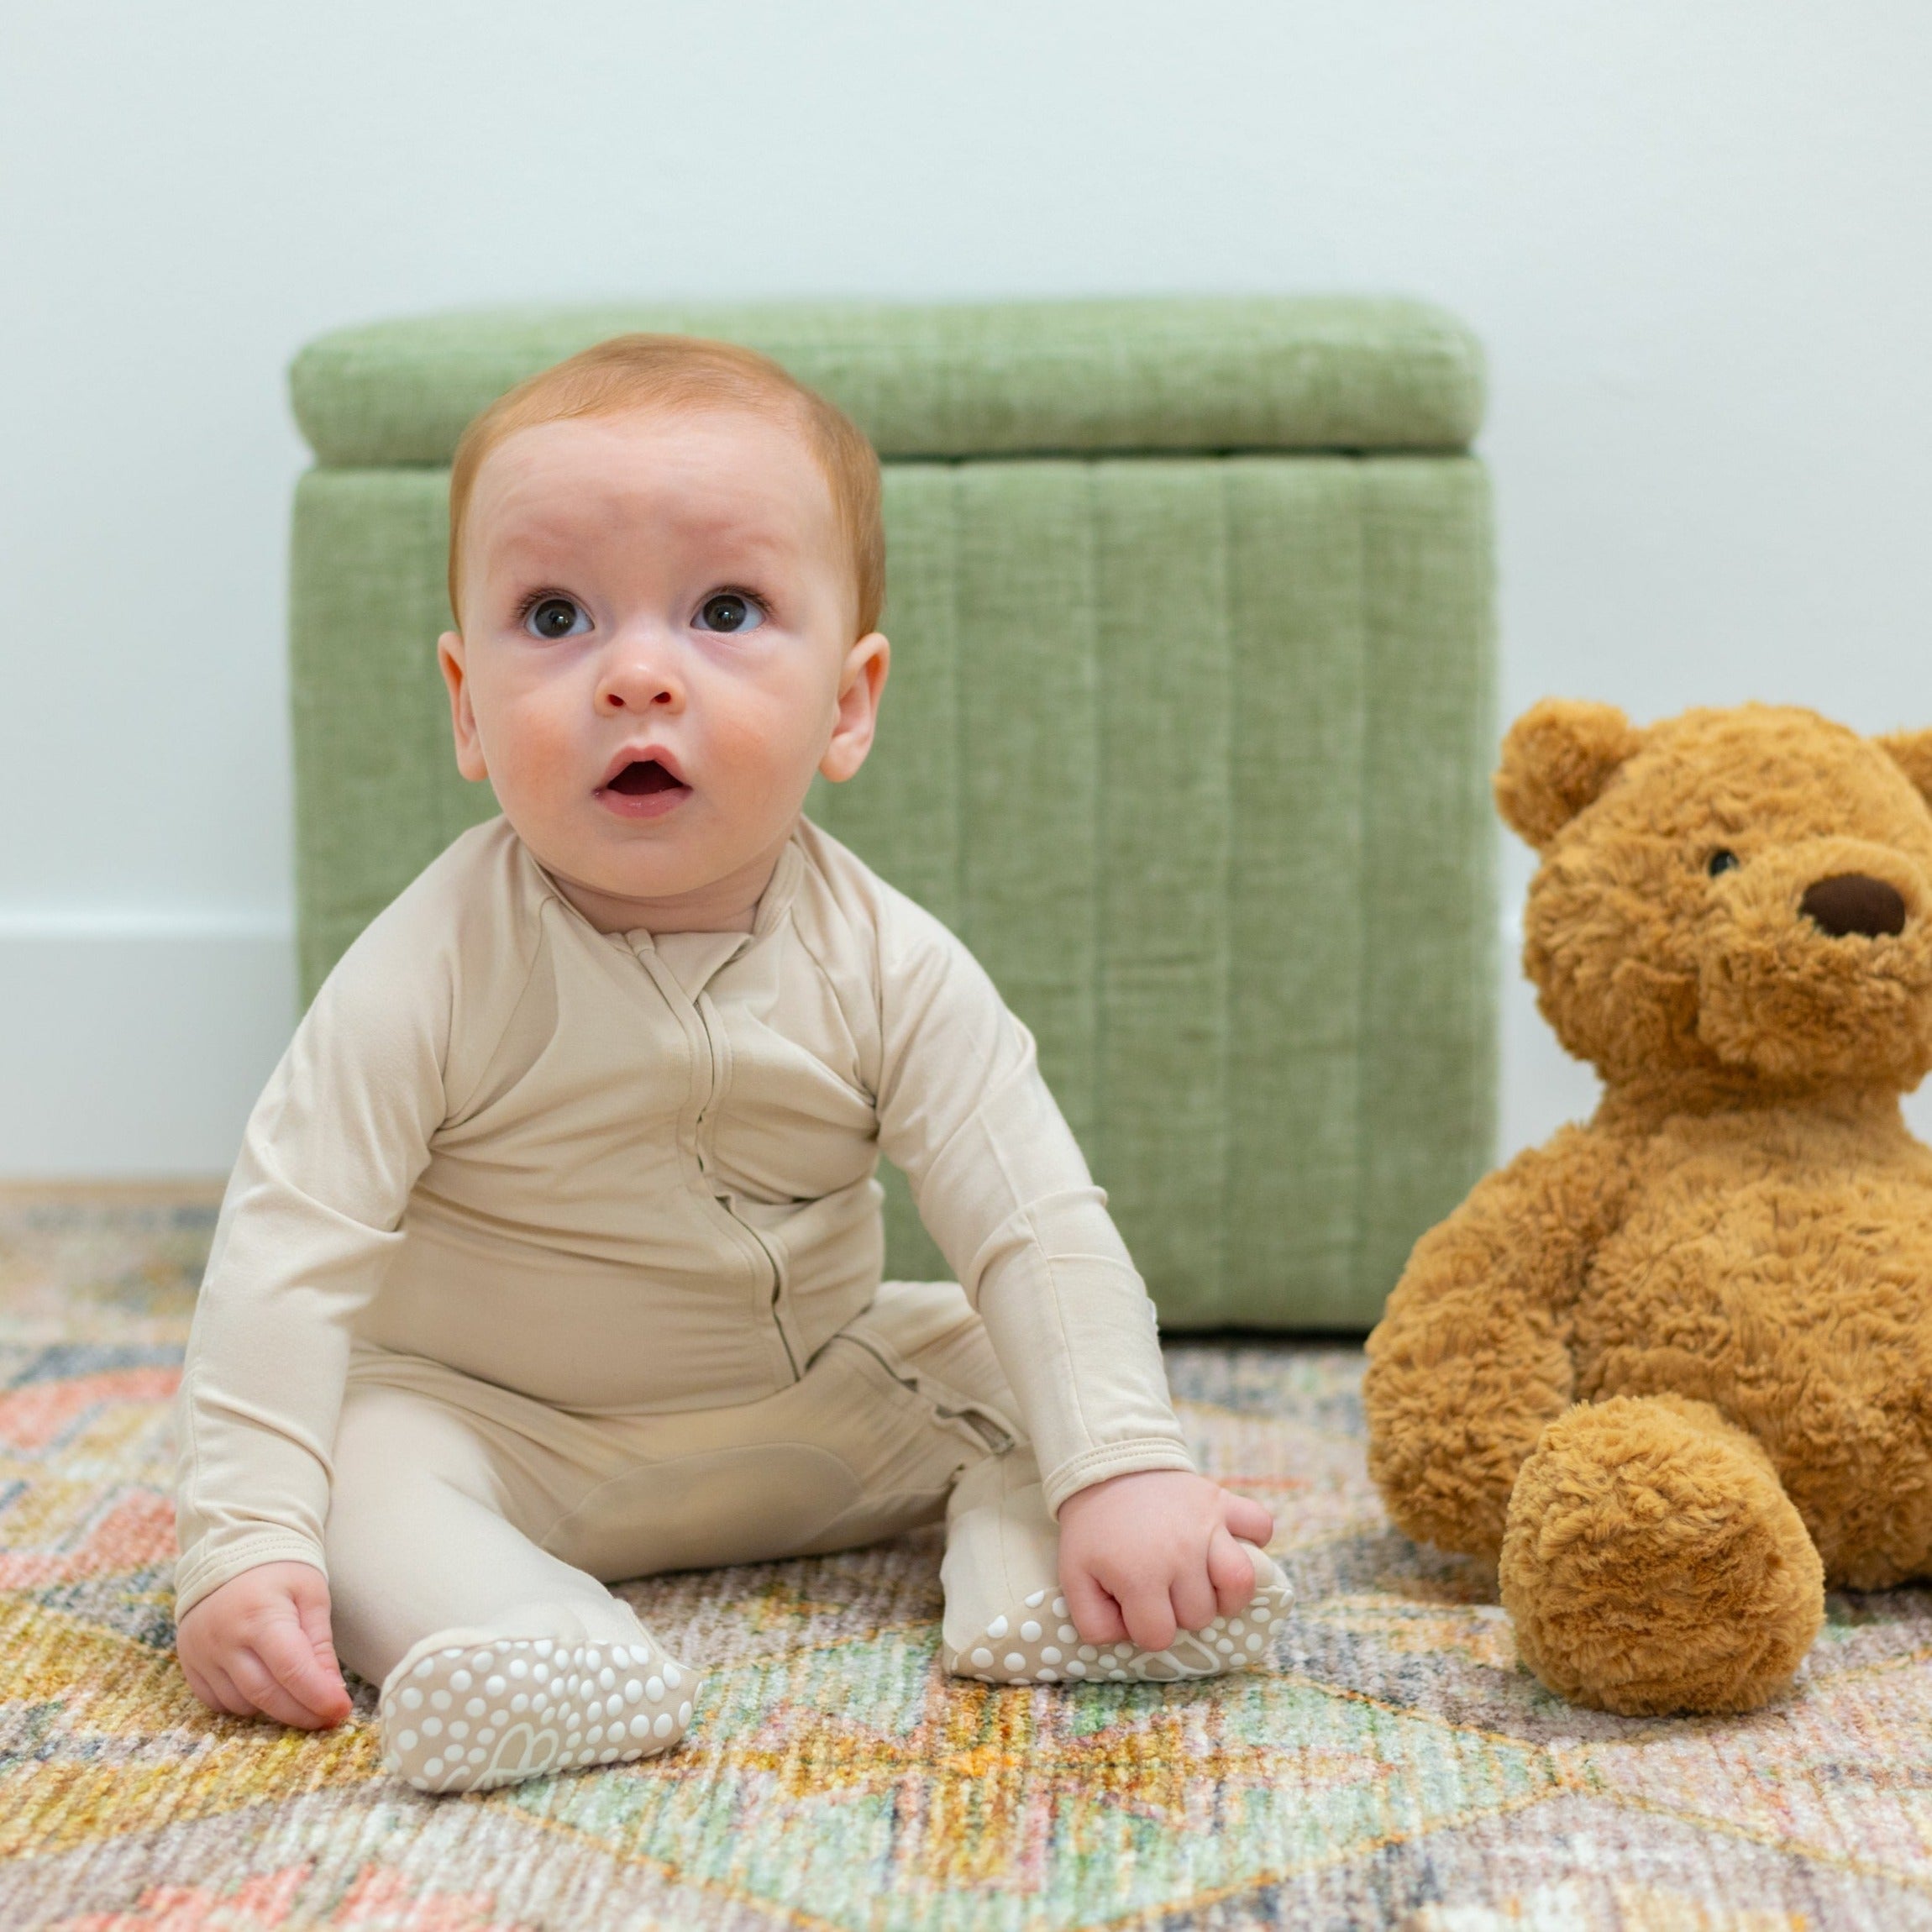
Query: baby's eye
x=552 y=617
x=729 y=611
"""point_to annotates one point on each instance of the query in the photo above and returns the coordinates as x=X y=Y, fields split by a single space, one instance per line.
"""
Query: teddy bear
x=1671 y=1371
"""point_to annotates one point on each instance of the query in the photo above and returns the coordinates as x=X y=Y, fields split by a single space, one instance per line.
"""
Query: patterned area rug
x=1395 y=1767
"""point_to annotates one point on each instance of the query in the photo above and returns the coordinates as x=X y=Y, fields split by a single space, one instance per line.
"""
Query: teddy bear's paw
x=1652 y=1562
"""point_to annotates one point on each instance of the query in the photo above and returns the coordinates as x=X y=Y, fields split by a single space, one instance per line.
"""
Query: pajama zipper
x=718 y=1051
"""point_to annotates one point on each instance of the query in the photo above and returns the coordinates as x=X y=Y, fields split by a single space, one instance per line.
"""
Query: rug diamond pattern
x=1394 y=1766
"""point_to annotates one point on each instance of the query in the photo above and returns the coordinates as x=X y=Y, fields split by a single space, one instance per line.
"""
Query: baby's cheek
x=535 y=754
x=768 y=753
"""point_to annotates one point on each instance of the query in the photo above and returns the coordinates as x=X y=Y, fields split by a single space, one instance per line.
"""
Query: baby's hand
x=1144 y=1555
x=259 y=1646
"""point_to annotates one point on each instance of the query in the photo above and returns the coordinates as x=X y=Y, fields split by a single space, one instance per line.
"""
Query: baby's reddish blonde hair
x=674 y=372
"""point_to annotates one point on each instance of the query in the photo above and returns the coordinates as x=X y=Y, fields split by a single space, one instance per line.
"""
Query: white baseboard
x=134 y=1044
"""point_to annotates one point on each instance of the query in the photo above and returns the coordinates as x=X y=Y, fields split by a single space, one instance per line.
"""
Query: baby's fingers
x=285 y=1679
x=1231 y=1570
x=1192 y=1597
x=1096 y=1616
x=335 y=1701
x=214 y=1689
x=263 y=1697
x=1249 y=1521
x=1148 y=1612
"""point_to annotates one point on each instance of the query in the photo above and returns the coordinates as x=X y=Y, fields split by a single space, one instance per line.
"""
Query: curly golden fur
x=1672 y=1371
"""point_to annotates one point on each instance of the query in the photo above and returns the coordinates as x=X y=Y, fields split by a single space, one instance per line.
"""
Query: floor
x=1393 y=1767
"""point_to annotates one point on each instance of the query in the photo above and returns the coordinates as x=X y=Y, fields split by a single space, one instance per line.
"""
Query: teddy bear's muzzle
x=1819 y=965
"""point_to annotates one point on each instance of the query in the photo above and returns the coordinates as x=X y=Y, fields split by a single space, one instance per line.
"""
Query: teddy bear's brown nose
x=1853 y=903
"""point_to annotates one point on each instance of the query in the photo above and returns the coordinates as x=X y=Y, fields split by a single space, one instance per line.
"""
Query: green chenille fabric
x=958 y=379
x=1191 y=749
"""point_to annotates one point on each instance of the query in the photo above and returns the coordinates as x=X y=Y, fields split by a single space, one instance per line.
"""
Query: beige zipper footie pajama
x=552 y=1259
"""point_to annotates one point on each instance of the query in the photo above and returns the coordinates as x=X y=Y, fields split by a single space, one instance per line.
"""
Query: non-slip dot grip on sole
x=1018 y=1649
x=468 y=1717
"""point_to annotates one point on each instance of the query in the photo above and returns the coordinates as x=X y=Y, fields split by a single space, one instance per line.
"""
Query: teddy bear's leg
x=1653 y=1563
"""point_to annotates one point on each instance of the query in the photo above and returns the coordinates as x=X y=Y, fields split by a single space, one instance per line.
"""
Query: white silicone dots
x=466 y=1718
x=1034 y=1645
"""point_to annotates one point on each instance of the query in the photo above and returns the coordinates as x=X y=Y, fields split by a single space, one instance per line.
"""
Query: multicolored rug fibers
x=1394 y=1767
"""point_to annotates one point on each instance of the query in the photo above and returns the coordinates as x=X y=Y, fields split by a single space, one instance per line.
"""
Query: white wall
x=1694 y=239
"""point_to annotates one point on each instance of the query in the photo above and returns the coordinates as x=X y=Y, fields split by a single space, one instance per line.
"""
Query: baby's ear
x=1556 y=758
x=1911 y=751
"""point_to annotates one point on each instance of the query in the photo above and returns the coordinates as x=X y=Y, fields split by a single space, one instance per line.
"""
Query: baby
x=553 y=1251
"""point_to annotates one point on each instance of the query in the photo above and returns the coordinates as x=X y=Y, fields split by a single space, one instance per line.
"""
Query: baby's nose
x=1850 y=902
x=637 y=687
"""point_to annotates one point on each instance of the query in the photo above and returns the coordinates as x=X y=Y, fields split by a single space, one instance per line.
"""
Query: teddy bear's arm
x=1470 y=1361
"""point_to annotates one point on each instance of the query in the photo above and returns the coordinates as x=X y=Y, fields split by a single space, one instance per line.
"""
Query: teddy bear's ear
x=1556 y=758
x=1911 y=751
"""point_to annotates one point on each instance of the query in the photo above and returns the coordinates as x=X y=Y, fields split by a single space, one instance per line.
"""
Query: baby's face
x=657 y=654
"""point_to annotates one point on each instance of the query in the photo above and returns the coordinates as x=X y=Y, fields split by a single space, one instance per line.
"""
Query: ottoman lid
x=983 y=379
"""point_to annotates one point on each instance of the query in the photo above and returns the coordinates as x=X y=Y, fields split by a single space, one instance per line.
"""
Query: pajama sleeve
x=309 y=1222
x=1004 y=1189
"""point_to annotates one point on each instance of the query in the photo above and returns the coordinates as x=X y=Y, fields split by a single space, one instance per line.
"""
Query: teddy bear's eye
x=1722 y=861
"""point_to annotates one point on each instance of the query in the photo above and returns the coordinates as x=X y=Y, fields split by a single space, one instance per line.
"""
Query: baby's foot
x=465 y=1717
x=1034 y=1643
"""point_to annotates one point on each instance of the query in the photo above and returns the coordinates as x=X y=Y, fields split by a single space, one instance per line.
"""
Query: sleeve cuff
x=199 y=1574
x=1093 y=1466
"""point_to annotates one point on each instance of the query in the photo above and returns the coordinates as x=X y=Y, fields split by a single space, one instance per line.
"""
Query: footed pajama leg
x=497 y=1661
x=1006 y=1622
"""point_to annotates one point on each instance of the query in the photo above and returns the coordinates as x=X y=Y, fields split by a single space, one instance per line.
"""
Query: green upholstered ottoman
x=1186 y=734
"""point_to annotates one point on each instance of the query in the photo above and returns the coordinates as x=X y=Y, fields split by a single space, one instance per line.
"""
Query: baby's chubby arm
x=1005 y=1193
x=1144 y=1555
x=310 y=1221
x=260 y=1645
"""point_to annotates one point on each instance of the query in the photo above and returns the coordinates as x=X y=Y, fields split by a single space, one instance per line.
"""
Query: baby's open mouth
x=642 y=777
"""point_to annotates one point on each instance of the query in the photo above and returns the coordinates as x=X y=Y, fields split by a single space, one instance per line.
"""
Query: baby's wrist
x=1110 y=1489
x=284 y=1578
